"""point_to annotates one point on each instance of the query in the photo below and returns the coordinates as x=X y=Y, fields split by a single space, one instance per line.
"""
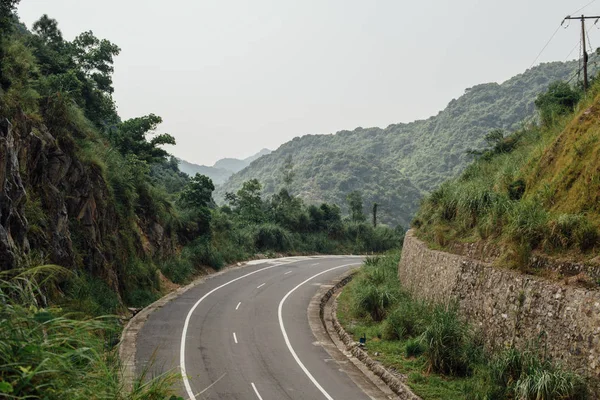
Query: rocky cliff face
x=56 y=209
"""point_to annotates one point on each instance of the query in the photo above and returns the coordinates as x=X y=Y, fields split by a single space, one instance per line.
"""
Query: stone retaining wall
x=509 y=307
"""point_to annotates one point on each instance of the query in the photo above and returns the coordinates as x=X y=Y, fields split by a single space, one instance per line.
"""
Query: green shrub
x=407 y=320
x=414 y=347
x=528 y=222
x=203 y=252
x=272 y=237
x=91 y=295
x=524 y=375
x=570 y=230
x=178 y=269
x=516 y=189
x=551 y=385
x=447 y=339
x=374 y=300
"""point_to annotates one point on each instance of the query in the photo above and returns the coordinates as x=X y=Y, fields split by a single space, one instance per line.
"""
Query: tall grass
x=47 y=352
x=498 y=198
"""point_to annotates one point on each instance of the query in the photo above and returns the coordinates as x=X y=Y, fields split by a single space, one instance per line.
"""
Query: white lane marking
x=289 y=272
x=261 y=285
x=287 y=340
x=256 y=391
x=312 y=265
x=238 y=306
x=186 y=381
x=234 y=338
x=214 y=383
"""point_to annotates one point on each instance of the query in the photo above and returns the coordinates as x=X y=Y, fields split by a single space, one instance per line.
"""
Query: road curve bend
x=245 y=335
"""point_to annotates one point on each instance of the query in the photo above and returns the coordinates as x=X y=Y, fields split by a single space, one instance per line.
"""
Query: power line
x=572 y=50
x=546 y=45
x=588 y=4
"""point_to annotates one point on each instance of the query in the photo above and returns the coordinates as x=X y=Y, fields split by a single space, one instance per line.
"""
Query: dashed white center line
x=261 y=285
x=289 y=272
x=234 y=338
x=238 y=306
x=256 y=391
x=312 y=265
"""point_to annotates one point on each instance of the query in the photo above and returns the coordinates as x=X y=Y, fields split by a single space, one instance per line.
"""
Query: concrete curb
x=328 y=311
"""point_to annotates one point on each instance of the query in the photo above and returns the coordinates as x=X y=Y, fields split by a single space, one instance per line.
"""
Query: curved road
x=245 y=335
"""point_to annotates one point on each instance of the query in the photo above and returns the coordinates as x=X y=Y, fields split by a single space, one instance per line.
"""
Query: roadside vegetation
x=441 y=355
x=535 y=190
x=48 y=352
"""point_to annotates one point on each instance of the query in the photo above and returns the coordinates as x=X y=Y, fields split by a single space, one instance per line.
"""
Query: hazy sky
x=232 y=77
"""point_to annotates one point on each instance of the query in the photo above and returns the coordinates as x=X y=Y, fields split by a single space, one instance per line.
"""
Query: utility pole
x=375 y=215
x=585 y=54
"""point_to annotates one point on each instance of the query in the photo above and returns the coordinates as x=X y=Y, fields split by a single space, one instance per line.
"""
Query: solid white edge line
x=238 y=306
x=234 y=338
x=186 y=381
x=287 y=340
x=256 y=391
x=261 y=285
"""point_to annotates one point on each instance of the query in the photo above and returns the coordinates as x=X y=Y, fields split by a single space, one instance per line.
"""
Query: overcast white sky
x=232 y=77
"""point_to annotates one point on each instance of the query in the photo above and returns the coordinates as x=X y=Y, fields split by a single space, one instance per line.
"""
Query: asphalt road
x=245 y=335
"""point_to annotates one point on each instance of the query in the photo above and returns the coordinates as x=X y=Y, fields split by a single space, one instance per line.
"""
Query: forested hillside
x=222 y=169
x=395 y=166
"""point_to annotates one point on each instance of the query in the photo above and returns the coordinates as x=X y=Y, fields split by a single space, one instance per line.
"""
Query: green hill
x=395 y=166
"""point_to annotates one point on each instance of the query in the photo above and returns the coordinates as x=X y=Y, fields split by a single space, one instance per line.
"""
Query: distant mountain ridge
x=222 y=169
x=397 y=165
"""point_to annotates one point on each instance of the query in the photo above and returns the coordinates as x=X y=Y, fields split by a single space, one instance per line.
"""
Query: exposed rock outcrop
x=56 y=208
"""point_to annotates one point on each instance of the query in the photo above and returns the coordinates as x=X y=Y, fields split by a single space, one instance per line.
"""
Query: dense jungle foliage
x=395 y=166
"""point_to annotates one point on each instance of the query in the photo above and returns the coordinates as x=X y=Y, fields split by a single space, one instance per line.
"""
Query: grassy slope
x=395 y=165
x=559 y=211
x=570 y=167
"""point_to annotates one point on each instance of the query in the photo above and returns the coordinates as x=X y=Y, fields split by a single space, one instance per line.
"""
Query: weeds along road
x=245 y=335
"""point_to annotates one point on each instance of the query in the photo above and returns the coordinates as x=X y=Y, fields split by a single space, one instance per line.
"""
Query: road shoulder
x=368 y=375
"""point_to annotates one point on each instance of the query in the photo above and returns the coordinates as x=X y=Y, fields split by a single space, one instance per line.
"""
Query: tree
x=355 y=206
x=196 y=198
x=130 y=138
x=286 y=210
x=559 y=99
x=249 y=203
x=375 y=215
x=7 y=21
x=80 y=70
x=198 y=192
x=95 y=57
